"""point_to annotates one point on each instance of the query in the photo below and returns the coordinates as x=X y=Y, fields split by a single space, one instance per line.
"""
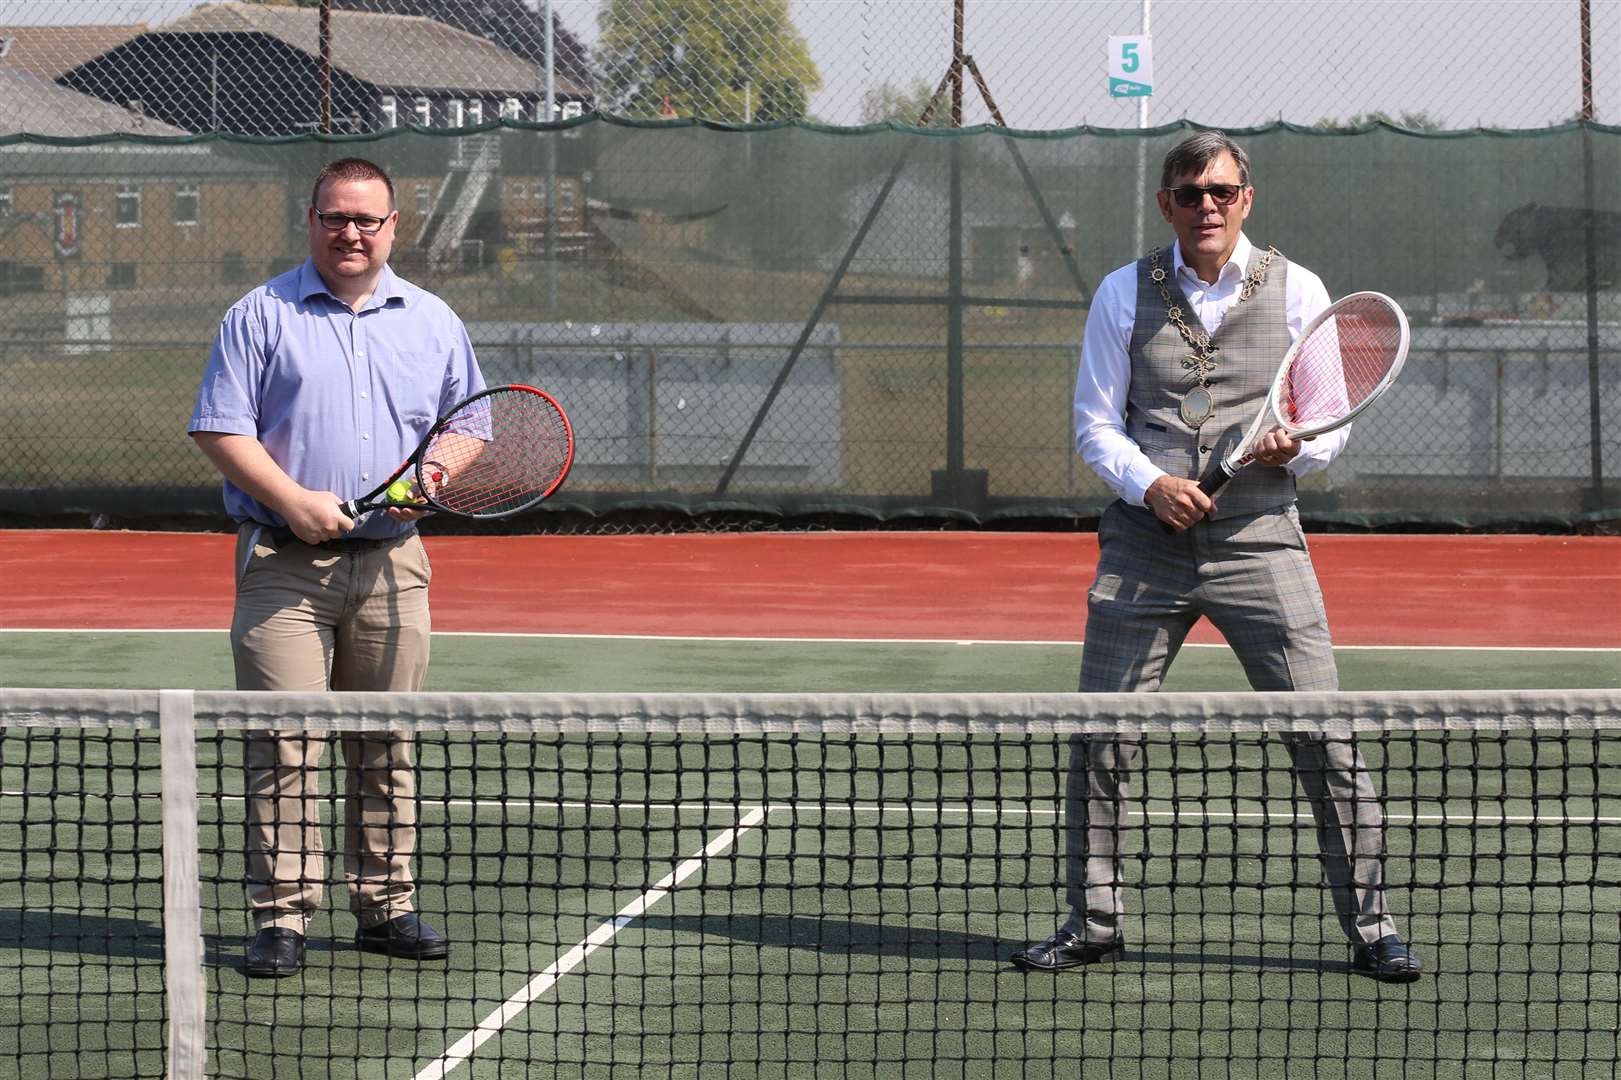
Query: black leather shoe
x=1067 y=949
x=405 y=936
x=275 y=953
x=1388 y=960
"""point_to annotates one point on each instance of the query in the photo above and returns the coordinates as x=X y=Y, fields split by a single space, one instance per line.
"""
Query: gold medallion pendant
x=1196 y=407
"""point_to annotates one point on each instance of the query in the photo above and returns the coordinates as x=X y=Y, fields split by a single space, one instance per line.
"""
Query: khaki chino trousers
x=348 y=616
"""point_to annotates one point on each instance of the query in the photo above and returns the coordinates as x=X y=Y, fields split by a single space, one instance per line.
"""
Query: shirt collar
x=1235 y=266
x=389 y=287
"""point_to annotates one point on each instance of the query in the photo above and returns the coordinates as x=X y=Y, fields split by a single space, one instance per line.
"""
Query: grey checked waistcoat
x=1251 y=342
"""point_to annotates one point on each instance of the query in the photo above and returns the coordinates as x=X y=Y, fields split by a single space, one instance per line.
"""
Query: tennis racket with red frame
x=1339 y=365
x=494 y=455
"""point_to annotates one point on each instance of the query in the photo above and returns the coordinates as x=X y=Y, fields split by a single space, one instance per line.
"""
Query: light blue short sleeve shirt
x=339 y=398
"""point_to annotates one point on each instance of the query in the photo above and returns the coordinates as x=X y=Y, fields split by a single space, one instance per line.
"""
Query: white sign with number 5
x=1131 y=66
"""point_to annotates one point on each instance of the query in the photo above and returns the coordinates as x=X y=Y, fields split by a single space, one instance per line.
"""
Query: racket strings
x=1342 y=364
x=499 y=453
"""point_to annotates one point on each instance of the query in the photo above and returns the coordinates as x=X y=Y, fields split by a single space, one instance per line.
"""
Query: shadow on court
x=128 y=938
x=882 y=939
x=821 y=934
x=88 y=935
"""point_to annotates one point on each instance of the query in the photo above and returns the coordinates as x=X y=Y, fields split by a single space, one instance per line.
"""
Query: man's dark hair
x=351 y=169
x=1193 y=155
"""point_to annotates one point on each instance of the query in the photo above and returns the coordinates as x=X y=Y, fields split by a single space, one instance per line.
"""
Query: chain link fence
x=1490 y=63
x=803 y=320
x=799 y=319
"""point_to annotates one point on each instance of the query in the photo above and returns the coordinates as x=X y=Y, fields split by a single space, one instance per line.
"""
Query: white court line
x=694 y=638
x=514 y=1006
x=818 y=808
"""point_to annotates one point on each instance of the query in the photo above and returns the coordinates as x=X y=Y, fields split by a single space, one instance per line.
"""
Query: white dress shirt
x=1105 y=371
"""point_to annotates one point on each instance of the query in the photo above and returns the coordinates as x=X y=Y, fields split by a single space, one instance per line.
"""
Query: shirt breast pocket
x=412 y=384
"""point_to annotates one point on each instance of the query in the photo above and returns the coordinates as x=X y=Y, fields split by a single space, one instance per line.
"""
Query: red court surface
x=1527 y=591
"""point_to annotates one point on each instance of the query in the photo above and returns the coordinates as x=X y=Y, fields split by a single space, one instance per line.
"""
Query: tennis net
x=816 y=886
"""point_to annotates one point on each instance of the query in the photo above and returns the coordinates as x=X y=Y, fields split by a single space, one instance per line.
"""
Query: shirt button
x=1204 y=449
x=365 y=476
x=361 y=353
x=363 y=395
x=365 y=436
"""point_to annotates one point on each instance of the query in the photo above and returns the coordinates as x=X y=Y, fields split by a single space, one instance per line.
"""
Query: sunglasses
x=1191 y=195
x=367 y=224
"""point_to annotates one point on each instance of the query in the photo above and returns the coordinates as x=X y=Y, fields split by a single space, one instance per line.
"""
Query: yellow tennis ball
x=399 y=491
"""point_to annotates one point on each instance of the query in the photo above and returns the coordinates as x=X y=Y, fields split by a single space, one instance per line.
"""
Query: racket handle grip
x=1212 y=482
x=350 y=509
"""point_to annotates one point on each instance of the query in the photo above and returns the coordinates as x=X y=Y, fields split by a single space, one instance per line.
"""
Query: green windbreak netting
x=796 y=320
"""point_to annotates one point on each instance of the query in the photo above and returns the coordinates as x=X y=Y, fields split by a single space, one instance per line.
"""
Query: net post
x=182 y=888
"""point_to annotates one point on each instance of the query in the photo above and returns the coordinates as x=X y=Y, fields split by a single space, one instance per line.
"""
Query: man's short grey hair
x=1193 y=155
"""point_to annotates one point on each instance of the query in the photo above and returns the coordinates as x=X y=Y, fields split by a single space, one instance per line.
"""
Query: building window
x=573 y=110
x=186 y=200
x=475 y=112
x=512 y=109
x=388 y=111
x=121 y=276
x=128 y=211
x=7 y=208
x=520 y=190
x=20 y=278
x=424 y=112
x=453 y=113
x=424 y=199
x=565 y=197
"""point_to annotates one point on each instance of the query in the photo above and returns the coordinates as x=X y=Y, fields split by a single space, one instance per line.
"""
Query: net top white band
x=834 y=714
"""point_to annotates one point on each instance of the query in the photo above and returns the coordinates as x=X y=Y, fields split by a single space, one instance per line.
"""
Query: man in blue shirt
x=319 y=384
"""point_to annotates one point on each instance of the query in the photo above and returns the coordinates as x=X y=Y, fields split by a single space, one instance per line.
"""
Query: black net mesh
x=787 y=886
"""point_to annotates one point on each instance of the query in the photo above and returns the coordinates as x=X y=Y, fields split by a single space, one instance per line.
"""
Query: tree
x=1413 y=121
x=890 y=102
x=508 y=23
x=731 y=60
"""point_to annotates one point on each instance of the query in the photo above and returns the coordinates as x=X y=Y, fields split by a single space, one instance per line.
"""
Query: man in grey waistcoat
x=1179 y=352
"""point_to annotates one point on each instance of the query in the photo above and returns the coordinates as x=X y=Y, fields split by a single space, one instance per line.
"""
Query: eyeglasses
x=1191 y=195
x=365 y=223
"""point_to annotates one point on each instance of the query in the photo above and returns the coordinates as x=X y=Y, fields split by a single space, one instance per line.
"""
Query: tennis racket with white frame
x=1339 y=365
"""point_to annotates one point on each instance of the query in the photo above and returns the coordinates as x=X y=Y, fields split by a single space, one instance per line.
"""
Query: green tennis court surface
x=860 y=899
x=466 y=662
x=855 y=912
